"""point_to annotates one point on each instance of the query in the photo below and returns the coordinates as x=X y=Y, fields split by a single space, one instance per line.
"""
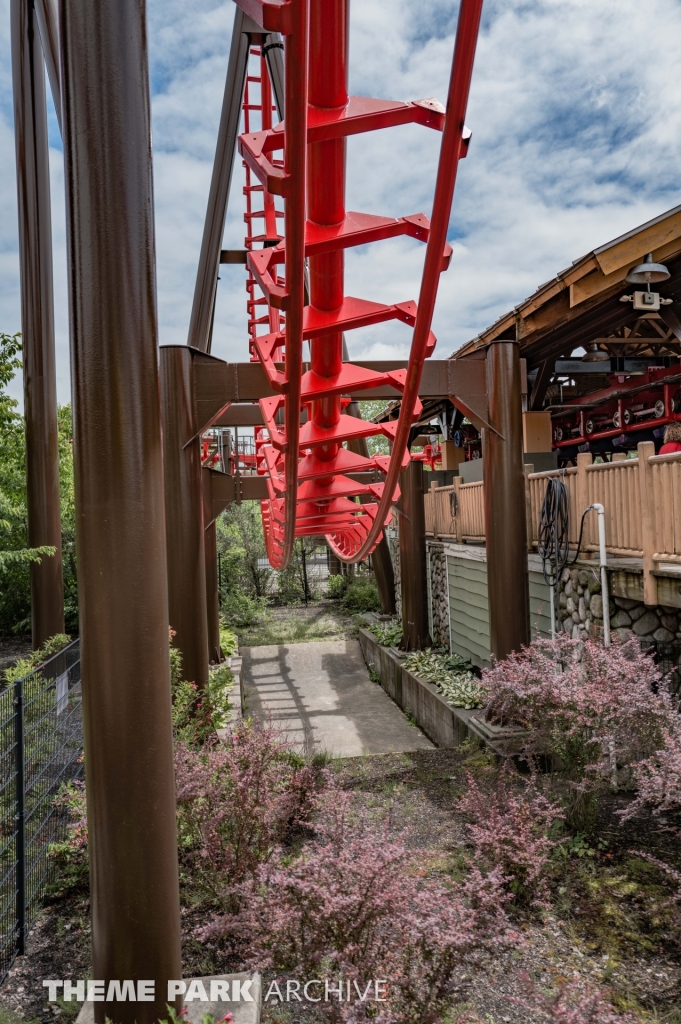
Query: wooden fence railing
x=641 y=498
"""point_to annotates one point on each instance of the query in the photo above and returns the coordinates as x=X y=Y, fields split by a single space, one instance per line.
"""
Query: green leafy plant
x=451 y=674
x=197 y=714
x=361 y=595
x=23 y=666
x=15 y=553
x=229 y=641
x=336 y=587
x=387 y=634
x=70 y=855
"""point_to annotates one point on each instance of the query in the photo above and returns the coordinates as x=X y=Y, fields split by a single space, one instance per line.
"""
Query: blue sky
x=576 y=117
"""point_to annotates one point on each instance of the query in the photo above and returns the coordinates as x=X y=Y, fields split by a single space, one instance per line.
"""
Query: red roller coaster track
x=301 y=448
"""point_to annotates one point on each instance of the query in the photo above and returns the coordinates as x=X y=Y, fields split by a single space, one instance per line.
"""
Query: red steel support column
x=120 y=510
x=37 y=321
x=184 y=513
x=505 y=520
x=328 y=89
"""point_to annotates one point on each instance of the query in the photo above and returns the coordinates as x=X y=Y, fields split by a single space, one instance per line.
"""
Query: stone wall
x=393 y=538
x=438 y=593
x=581 y=614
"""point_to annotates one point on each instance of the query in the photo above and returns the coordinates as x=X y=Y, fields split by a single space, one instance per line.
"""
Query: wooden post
x=457 y=522
x=645 y=450
x=584 y=459
x=528 y=468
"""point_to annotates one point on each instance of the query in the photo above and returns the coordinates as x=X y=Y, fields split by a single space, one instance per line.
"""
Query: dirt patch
x=12 y=648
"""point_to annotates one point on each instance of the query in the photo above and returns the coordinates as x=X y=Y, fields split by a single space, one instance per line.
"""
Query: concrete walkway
x=320 y=694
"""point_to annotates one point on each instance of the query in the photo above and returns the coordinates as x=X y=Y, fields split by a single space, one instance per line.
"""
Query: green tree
x=244 y=576
x=15 y=554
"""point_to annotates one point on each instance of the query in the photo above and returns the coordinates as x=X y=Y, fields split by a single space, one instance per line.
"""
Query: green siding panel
x=469 y=609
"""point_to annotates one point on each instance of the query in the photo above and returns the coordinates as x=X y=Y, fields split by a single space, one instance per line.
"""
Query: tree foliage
x=15 y=554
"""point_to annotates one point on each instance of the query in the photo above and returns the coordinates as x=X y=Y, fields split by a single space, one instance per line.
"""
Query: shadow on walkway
x=321 y=696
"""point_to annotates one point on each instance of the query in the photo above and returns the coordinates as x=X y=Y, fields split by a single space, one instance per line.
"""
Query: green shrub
x=240 y=609
x=387 y=634
x=336 y=586
x=229 y=641
x=197 y=714
x=71 y=855
x=362 y=595
x=23 y=666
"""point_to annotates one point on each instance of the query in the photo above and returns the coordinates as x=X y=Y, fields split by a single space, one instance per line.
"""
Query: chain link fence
x=41 y=748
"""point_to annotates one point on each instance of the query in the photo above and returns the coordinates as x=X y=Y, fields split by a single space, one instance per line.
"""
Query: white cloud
x=576 y=139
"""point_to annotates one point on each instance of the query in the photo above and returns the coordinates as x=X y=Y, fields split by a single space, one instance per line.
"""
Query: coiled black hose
x=553 y=534
x=554 y=521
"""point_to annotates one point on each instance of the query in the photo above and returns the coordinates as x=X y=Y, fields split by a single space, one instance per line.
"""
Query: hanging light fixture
x=594 y=354
x=648 y=272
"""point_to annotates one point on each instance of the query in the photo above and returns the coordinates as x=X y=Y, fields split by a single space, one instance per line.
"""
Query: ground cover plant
x=387 y=634
x=452 y=675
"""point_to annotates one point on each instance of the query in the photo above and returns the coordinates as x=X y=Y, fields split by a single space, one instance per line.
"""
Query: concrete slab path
x=321 y=695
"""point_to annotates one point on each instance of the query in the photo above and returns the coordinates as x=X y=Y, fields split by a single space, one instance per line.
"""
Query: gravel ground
x=596 y=927
x=12 y=648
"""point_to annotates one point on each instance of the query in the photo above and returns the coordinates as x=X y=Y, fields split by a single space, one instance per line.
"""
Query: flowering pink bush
x=593 y=710
x=356 y=905
x=510 y=830
x=659 y=779
x=237 y=800
x=575 y=1002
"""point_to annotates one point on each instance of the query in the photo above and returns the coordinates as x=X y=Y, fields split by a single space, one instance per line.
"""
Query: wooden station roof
x=582 y=304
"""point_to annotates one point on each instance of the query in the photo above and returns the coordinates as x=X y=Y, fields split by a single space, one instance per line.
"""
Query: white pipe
x=604 y=571
x=552 y=599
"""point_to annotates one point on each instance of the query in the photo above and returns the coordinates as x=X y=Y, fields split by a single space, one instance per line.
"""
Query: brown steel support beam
x=412 y=531
x=37 y=322
x=120 y=512
x=212 y=597
x=209 y=259
x=47 y=15
x=504 y=496
x=541 y=384
x=184 y=512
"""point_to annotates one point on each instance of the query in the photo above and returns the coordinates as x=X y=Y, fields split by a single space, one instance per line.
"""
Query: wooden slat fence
x=641 y=497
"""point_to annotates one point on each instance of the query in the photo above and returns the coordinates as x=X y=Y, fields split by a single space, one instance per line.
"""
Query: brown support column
x=382 y=562
x=505 y=520
x=335 y=564
x=413 y=560
x=37 y=321
x=210 y=544
x=184 y=513
x=119 y=502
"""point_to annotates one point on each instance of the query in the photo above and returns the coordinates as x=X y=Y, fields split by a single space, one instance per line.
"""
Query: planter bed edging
x=444 y=725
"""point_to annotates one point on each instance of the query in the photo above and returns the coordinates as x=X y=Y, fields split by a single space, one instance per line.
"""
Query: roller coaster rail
x=307 y=467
